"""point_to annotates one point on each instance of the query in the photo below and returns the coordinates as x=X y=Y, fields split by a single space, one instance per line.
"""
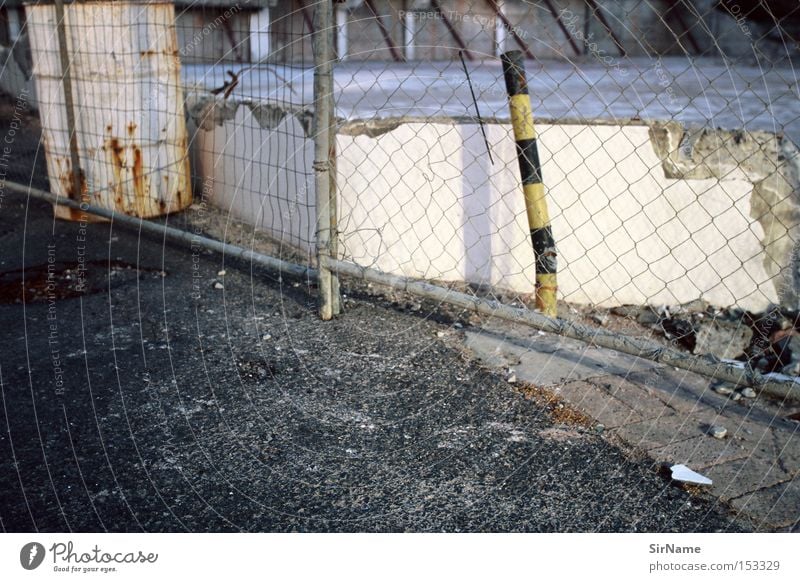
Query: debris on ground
x=718 y=432
x=681 y=332
x=684 y=474
x=769 y=341
x=748 y=393
x=723 y=389
x=722 y=339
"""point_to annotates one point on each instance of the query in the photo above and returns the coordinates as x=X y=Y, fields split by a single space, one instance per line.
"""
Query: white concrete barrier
x=423 y=201
x=257 y=159
x=637 y=218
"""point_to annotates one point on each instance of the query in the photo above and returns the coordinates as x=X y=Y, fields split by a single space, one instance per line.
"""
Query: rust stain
x=139 y=184
x=132 y=128
x=117 y=162
x=65 y=180
x=148 y=53
x=116 y=153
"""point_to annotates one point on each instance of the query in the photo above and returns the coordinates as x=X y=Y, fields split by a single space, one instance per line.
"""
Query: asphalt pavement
x=152 y=387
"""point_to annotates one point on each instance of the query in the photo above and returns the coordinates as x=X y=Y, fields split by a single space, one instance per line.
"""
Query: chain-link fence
x=148 y=108
x=664 y=138
x=656 y=191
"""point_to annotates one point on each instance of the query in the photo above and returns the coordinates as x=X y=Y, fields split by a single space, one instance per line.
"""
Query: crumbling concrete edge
x=770 y=162
x=377 y=127
x=208 y=112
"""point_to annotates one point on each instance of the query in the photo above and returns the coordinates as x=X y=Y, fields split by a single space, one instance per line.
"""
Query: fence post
x=544 y=247
x=336 y=303
x=78 y=191
x=323 y=104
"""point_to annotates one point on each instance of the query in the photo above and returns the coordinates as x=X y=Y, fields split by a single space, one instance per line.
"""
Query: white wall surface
x=423 y=201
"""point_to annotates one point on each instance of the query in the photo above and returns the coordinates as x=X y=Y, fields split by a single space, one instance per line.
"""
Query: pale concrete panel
x=421 y=200
x=261 y=172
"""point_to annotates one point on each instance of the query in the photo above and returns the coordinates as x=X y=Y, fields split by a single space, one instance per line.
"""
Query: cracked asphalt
x=154 y=401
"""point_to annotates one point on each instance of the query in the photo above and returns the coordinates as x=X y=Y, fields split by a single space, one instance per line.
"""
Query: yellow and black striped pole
x=544 y=246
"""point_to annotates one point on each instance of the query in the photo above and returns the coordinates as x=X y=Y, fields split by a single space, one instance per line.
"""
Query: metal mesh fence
x=164 y=107
x=666 y=135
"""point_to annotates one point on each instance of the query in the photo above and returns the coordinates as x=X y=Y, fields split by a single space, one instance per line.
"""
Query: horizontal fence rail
x=379 y=140
x=723 y=370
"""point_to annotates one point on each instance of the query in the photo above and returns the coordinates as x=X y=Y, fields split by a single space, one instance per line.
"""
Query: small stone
x=512 y=377
x=218 y=285
x=629 y=311
x=748 y=392
x=221 y=273
x=723 y=340
x=718 y=432
x=736 y=396
x=647 y=316
x=439 y=334
x=266 y=337
x=792 y=369
x=694 y=306
x=599 y=428
x=723 y=389
x=599 y=318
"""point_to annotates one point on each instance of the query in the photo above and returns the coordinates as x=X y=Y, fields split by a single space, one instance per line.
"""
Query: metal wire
x=666 y=132
x=667 y=135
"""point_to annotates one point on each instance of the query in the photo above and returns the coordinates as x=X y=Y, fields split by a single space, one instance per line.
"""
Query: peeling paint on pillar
x=132 y=143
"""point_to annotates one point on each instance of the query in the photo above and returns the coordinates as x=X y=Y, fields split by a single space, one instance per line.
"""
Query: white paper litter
x=686 y=475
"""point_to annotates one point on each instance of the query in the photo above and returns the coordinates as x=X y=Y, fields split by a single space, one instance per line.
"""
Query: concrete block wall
x=639 y=213
x=254 y=162
x=423 y=201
